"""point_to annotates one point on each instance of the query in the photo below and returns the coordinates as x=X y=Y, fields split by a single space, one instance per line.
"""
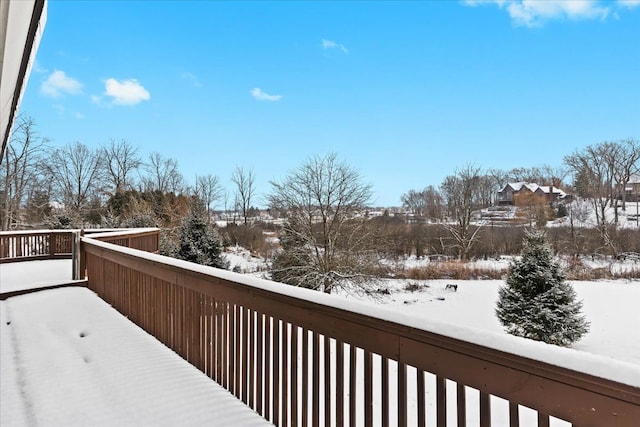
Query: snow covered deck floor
x=18 y=276
x=69 y=359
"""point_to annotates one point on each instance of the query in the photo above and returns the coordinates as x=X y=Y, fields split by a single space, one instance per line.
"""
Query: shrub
x=199 y=242
x=536 y=302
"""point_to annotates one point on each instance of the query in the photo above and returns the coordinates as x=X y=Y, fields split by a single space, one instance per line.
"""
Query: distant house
x=513 y=191
x=632 y=189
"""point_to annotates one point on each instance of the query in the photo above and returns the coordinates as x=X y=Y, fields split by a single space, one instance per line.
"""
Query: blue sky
x=405 y=92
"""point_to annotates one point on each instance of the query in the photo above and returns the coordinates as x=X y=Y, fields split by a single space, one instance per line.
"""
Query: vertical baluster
x=461 y=404
x=267 y=367
x=353 y=359
x=485 y=409
x=385 y=391
x=327 y=380
x=232 y=349
x=238 y=352
x=259 y=373
x=286 y=373
x=441 y=401
x=514 y=415
x=305 y=377
x=339 y=383
x=422 y=412
x=543 y=420
x=245 y=354
x=276 y=371
x=252 y=357
x=218 y=305
x=315 y=408
x=225 y=345
x=294 y=375
x=402 y=394
x=368 y=388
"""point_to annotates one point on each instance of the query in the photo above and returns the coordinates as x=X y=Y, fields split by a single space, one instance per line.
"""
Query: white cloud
x=125 y=92
x=58 y=83
x=78 y=116
x=630 y=4
x=534 y=13
x=260 y=95
x=330 y=44
x=191 y=78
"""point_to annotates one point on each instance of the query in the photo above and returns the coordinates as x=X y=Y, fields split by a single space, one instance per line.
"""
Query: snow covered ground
x=241 y=260
x=585 y=215
x=610 y=307
x=69 y=359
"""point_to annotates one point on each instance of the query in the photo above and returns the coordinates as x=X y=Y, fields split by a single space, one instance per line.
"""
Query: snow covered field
x=610 y=307
x=69 y=359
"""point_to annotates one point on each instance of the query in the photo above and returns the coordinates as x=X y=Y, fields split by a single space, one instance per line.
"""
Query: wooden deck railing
x=18 y=246
x=144 y=239
x=302 y=358
x=32 y=245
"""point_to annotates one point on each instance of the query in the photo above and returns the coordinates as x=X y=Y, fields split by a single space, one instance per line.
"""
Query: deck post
x=75 y=255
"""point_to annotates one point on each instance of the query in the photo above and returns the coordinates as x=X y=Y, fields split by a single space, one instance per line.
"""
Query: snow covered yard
x=241 y=260
x=610 y=306
x=69 y=359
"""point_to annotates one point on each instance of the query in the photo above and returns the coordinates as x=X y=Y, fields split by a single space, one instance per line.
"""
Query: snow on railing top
x=102 y=232
x=114 y=232
x=33 y=232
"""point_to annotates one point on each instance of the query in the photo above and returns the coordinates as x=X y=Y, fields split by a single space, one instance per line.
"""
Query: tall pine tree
x=536 y=302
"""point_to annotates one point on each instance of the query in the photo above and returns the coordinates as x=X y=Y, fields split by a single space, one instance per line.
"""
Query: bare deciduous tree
x=163 y=175
x=427 y=203
x=414 y=201
x=595 y=168
x=244 y=181
x=595 y=165
x=463 y=193
x=19 y=169
x=77 y=175
x=121 y=160
x=208 y=190
x=322 y=238
x=627 y=163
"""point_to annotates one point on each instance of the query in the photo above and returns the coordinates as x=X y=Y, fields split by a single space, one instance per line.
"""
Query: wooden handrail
x=32 y=245
x=243 y=332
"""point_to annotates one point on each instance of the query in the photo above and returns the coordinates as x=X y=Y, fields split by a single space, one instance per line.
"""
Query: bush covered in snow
x=536 y=302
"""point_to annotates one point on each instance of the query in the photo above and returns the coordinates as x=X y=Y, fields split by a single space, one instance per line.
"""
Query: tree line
x=111 y=185
x=325 y=240
x=598 y=173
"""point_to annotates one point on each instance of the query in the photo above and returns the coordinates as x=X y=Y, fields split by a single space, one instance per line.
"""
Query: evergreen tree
x=199 y=241
x=536 y=302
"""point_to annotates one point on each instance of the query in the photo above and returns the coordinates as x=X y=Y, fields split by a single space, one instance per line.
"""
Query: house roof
x=551 y=189
x=517 y=186
x=22 y=23
x=533 y=187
